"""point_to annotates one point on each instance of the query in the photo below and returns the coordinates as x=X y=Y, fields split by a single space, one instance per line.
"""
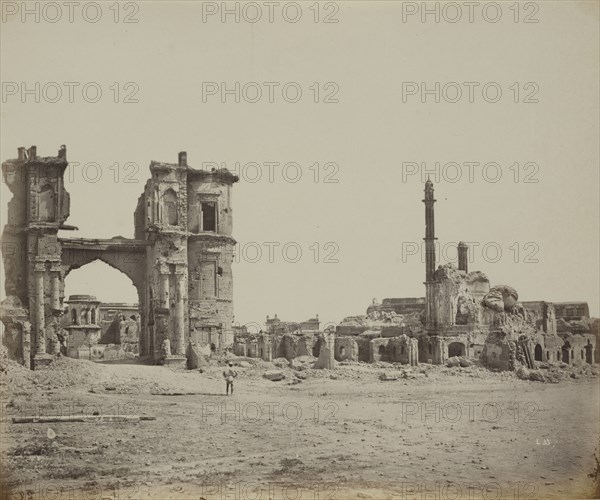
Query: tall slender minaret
x=463 y=257
x=430 y=311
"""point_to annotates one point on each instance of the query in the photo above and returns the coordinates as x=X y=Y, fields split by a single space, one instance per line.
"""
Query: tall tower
x=31 y=253
x=186 y=217
x=463 y=257
x=430 y=311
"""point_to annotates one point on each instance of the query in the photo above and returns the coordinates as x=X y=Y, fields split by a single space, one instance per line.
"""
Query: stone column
x=40 y=338
x=40 y=356
x=55 y=290
x=180 y=316
x=164 y=290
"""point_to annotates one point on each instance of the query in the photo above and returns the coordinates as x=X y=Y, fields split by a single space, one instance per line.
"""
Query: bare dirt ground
x=437 y=433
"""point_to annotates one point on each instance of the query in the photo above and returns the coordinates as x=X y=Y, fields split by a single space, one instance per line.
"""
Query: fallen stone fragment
x=274 y=375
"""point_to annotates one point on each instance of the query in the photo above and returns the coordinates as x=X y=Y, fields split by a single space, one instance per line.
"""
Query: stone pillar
x=180 y=316
x=40 y=338
x=40 y=358
x=26 y=344
x=326 y=356
x=161 y=332
x=164 y=290
x=55 y=290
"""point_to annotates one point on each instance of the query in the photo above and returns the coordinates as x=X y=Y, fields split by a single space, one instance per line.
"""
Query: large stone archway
x=179 y=263
x=125 y=255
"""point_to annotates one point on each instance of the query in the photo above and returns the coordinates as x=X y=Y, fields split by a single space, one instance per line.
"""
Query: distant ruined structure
x=461 y=315
x=288 y=340
x=179 y=260
x=282 y=339
x=99 y=331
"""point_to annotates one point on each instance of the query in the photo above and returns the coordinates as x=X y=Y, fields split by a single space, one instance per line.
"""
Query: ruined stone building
x=88 y=328
x=179 y=259
x=120 y=324
x=398 y=306
x=462 y=315
x=80 y=326
x=281 y=339
x=275 y=326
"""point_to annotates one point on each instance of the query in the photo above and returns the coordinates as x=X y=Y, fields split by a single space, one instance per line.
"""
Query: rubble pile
x=73 y=374
x=14 y=377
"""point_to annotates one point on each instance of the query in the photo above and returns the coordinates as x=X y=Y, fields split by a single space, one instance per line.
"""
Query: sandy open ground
x=439 y=433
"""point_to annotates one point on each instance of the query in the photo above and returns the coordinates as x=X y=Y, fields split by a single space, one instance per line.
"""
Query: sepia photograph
x=300 y=250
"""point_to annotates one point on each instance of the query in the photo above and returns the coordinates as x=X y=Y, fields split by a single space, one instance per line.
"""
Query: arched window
x=170 y=209
x=73 y=316
x=93 y=316
x=47 y=208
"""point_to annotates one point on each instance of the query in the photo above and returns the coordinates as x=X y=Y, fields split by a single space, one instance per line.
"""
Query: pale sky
x=371 y=213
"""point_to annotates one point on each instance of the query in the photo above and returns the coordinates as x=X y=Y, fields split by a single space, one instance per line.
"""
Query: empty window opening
x=456 y=349
x=209 y=216
x=170 y=207
x=47 y=208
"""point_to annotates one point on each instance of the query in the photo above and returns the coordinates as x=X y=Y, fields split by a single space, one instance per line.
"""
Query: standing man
x=229 y=374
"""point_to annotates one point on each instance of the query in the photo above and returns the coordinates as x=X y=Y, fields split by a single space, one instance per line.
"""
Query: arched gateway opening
x=105 y=304
x=105 y=284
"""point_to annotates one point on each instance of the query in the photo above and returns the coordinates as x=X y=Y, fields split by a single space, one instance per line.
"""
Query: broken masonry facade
x=462 y=316
x=465 y=317
x=179 y=260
